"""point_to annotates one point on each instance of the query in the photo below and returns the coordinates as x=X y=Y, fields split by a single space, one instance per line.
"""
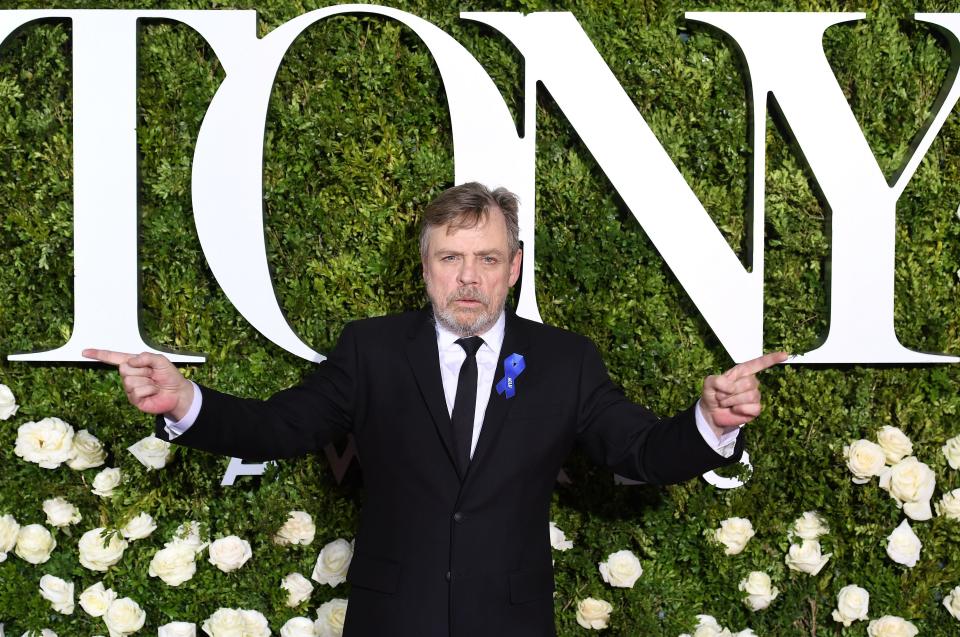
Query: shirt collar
x=492 y=338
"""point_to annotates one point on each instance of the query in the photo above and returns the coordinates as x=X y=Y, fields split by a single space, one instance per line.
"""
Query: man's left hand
x=733 y=398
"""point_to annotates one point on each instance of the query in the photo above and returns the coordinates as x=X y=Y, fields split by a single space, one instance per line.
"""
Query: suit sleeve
x=292 y=422
x=632 y=440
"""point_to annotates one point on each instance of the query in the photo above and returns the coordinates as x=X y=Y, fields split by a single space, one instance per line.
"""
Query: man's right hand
x=152 y=383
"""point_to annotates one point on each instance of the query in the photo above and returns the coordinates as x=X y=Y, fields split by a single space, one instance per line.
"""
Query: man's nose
x=468 y=272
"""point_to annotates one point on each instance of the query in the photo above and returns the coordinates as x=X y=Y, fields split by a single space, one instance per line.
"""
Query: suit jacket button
x=457 y=517
x=447 y=576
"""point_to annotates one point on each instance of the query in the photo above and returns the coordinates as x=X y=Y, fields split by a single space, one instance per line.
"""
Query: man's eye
x=449 y=257
x=490 y=260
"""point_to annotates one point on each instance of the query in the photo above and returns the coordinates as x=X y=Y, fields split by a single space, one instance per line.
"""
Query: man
x=461 y=437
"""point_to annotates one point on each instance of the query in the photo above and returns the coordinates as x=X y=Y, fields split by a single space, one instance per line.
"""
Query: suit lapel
x=424 y=360
x=514 y=342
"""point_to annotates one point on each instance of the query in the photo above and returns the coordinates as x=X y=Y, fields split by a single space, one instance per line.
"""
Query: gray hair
x=468 y=204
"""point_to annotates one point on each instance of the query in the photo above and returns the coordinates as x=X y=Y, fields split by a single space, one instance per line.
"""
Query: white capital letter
x=106 y=276
x=784 y=54
x=228 y=164
x=558 y=53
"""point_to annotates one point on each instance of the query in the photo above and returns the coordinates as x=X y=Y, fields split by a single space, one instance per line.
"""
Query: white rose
x=746 y=632
x=865 y=460
x=333 y=562
x=298 y=627
x=46 y=632
x=152 y=452
x=105 y=482
x=298 y=529
x=58 y=592
x=177 y=629
x=734 y=533
x=593 y=613
x=236 y=622
x=226 y=622
x=949 y=505
x=188 y=533
x=622 y=569
x=60 y=513
x=903 y=545
x=853 y=603
x=806 y=557
x=707 y=626
x=47 y=442
x=87 y=452
x=895 y=444
x=124 y=616
x=330 y=618
x=8 y=404
x=952 y=603
x=759 y=589
x=174 y=564
x=558 y=539
x=96 y=599
x=809 y=526
x=890 y=626
x=34 y=544
x=910 y=482
x=711 y=631
x=298 y=588
x=229 y=553
x=9 y=529
x=951 y=452
x=254 y=623
x=95 y=555
x=139 y=527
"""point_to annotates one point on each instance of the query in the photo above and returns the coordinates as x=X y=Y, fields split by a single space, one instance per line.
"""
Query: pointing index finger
x=107 y=356
x=757 y=365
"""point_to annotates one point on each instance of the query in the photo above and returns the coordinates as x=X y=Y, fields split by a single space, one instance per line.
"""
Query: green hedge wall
x=358 y=140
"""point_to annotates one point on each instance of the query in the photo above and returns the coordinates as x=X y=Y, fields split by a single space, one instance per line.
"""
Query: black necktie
x=465 y=403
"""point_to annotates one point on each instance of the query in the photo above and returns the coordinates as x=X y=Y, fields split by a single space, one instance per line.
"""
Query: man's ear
x=515 y=266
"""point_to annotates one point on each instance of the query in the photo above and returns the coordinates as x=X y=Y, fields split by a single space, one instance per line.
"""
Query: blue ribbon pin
x=513 y=366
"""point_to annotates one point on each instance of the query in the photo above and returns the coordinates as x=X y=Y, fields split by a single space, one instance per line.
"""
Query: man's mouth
x=468 y=300
x=470 y=305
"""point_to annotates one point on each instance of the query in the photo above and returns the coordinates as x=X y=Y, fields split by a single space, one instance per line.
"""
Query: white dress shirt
x=451 y=358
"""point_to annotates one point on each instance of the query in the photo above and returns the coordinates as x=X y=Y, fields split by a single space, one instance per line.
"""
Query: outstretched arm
x=290 y=423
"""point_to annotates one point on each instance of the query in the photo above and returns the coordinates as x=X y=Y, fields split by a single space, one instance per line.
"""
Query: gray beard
x=482 y=322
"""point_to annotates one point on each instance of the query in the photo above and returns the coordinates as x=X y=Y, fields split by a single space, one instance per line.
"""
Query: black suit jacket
x=437 y=556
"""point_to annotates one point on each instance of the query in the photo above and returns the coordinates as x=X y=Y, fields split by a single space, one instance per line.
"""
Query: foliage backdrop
x=357 y=141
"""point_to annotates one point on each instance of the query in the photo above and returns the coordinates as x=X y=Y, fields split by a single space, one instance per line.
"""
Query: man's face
x=468 y=272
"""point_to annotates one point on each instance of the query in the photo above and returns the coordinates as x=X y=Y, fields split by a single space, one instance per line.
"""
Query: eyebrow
x=482 y=253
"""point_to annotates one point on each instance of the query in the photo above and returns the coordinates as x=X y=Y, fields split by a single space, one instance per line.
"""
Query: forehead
x=490 y=233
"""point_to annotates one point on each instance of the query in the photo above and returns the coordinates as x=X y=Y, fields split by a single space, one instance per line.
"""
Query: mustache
x=468 y=294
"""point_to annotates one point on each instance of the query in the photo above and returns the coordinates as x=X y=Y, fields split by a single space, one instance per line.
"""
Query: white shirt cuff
x=174 y=429
x=723 y=445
